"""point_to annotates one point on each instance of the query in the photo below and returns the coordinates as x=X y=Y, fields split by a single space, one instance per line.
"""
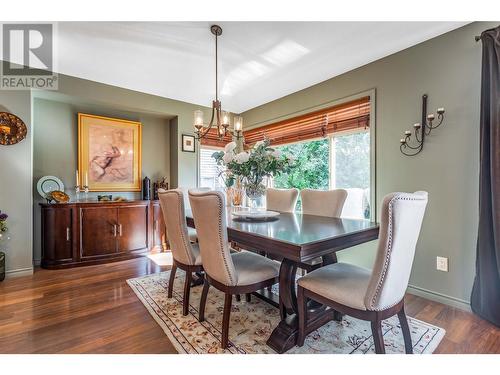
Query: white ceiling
x=258 y=61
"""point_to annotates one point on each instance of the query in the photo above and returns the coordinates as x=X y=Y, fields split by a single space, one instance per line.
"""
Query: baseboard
x=19 y=272
x=438 y=297
x=37 y=262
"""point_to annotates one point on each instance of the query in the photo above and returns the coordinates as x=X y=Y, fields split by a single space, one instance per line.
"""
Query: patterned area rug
x=252 y=323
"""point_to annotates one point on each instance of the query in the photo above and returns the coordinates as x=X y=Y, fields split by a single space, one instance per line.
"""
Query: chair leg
x=225 y=320
x=171 y=280
x=203 y=301
x=248 y=297
x=378 y=338
x=302 y=305
x=187 y=290
x=406 y=330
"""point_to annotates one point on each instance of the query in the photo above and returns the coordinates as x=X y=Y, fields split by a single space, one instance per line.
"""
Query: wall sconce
x=421 y=130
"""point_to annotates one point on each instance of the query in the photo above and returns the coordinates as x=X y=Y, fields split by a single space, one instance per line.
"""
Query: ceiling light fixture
x=221 y=120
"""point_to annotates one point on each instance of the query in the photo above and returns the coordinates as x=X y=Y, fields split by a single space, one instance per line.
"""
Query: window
x=339 y=162
x=312 y=169
x=209 y=171
x=350 y=170
x=332 y=147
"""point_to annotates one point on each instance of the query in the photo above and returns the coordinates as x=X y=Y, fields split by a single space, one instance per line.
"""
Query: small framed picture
x=188 y=143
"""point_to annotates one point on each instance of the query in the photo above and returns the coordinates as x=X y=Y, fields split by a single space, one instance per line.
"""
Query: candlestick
x=86 y=191
x=413 y=145
x=77 y=192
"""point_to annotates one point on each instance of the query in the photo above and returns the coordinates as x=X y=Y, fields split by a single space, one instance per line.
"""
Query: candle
x=77 y=178
x=403 y=141
x=238 y=123
x=198 y=118
x=417 y=125
x=87 y=179
x=430 y=117
x=440 y=110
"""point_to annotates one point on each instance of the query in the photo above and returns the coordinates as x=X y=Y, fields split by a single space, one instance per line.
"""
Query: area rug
x=252 y=323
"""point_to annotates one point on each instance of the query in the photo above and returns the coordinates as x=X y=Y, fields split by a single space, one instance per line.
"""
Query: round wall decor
x=12 y=129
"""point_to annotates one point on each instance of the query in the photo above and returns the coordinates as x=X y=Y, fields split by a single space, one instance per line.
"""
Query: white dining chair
x=328 y=203
x=377 y=294
x=186 y=254
x=232 y=273
x=282 y=200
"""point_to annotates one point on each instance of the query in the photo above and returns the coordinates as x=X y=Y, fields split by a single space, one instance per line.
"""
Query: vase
x=256 y=195
x=234 y=196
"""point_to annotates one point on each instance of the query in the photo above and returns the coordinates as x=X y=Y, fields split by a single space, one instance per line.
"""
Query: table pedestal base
x=284 y=336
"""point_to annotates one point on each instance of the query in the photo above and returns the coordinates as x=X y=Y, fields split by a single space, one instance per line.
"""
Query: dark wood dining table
x=296 y=238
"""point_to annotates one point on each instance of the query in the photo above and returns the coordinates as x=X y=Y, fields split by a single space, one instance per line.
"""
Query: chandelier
x=220 y=120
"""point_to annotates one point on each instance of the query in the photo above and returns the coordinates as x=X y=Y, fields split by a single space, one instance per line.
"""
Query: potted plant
x=252 y=167
x=3 y=240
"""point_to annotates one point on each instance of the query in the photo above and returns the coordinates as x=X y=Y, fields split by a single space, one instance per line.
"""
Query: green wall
x=447 y=68
x=55 y=146
x=15 y=186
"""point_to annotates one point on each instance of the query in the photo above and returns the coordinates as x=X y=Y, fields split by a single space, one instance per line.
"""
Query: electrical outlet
x=442 y=264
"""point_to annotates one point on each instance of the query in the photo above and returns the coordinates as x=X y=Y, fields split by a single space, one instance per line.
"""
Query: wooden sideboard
x=85 y=233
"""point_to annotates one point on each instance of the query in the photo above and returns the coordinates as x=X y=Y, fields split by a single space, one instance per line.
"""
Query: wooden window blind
x=212 y=139
x=347 y=116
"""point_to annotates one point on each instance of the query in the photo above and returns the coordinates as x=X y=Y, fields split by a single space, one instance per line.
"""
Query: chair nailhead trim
x=402 y=197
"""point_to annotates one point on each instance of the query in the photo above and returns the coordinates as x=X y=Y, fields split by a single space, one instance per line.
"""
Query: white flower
x=230 y=147
x=276 y=154
x=290 y=158
x=242 y=157
x=228 y=157
x=259 y=143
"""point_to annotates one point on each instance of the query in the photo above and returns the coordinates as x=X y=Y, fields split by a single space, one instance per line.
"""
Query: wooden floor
x=93 y=310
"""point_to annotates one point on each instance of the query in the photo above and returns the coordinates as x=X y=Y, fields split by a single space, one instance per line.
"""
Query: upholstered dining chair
x=186 y=254
x=378 y=294
x=193 y=237
x=232 y=273
x=327 y=203
x=282 y=200
x=323 y=202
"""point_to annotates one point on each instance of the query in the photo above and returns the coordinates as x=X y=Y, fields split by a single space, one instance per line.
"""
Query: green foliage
x=311 y=166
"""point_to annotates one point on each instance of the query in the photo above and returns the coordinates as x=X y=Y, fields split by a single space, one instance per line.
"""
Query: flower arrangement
x=252 y=166
x=3 y=222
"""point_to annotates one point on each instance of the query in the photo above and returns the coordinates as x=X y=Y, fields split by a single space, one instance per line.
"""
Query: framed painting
x=188 y=143
x=109 y=153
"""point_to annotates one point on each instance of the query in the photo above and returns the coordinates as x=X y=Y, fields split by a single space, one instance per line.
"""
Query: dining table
x=294 y=239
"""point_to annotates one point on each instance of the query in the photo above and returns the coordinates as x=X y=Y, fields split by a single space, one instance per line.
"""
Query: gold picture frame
x=109 y=153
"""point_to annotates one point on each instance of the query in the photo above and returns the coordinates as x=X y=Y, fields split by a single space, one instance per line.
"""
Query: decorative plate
x=12 y=129
x=59 y=196
x=255 y=215
x=48 y=184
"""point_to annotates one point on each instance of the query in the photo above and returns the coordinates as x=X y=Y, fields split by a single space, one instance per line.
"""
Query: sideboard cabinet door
x=98 y=231
x=133 y=228
x=57 y=235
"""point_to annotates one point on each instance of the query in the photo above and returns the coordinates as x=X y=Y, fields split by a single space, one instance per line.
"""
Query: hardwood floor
x=92 y=310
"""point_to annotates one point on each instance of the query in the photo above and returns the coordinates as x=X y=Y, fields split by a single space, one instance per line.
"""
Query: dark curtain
x=485 y=298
